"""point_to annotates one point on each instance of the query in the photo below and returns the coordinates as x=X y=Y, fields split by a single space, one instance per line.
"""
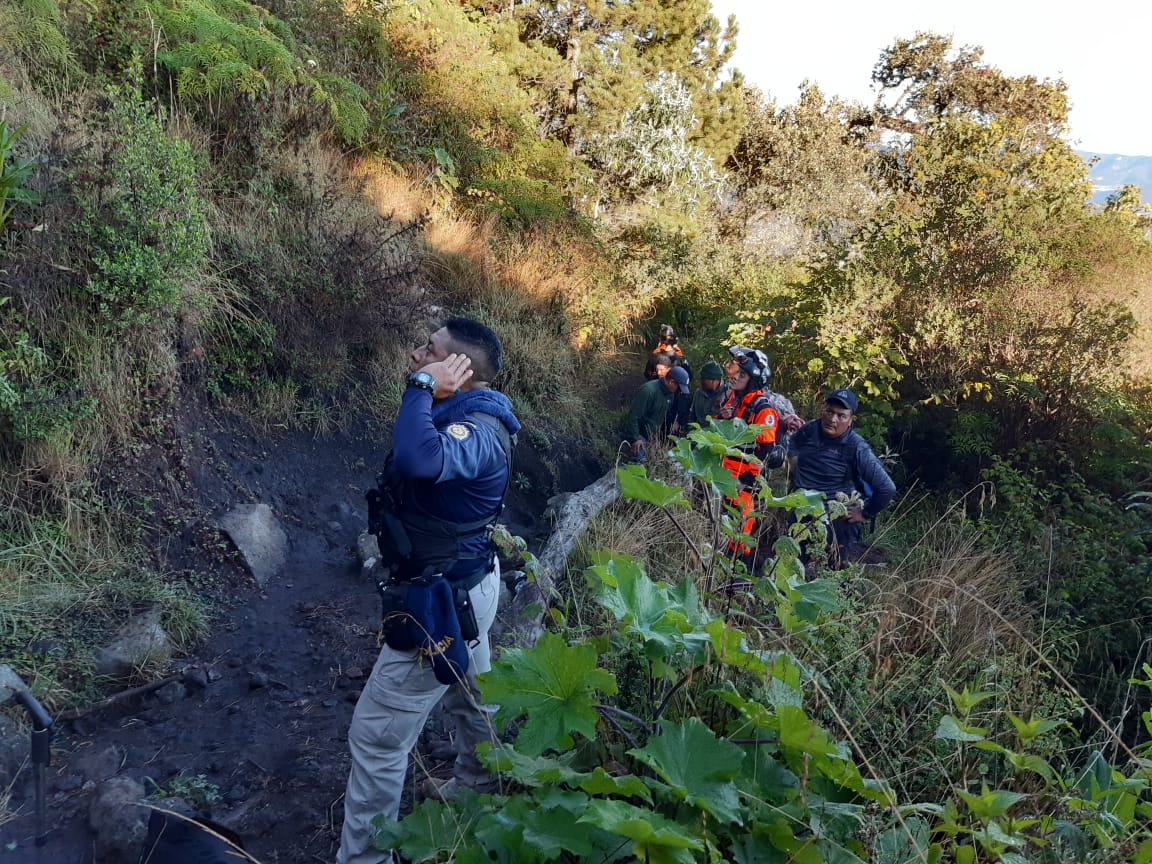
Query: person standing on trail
x=829 y=456
x=445 y=481
x=750 y=400
x=668 y=341
x=711 y=394
x=651 y=408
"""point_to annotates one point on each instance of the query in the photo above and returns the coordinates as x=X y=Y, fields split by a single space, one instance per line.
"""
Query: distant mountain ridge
x=1113 y=171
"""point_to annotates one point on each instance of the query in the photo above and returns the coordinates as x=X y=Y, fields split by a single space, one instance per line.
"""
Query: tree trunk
x=568 y=130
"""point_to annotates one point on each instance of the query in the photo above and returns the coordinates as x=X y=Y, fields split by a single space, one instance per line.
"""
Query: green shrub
x=146 y=221
x=1087 y=557
x=14 y=174
x=34 y=403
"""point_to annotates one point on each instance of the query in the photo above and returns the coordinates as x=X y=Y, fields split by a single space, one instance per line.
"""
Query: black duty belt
x=472 y=579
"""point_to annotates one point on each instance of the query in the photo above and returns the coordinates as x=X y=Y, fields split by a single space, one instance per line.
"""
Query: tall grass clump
x=67 y=582
x=947 y=612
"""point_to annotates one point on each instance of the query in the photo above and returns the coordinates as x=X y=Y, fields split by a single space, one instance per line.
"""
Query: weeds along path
x=255 y=730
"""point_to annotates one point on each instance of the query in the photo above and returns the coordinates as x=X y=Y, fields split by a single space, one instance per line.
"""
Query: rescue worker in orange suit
x=751 y=401
x=669 y=344
x=666 y=353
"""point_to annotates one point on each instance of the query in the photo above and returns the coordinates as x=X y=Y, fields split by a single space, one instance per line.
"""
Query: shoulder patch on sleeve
x=458 y=431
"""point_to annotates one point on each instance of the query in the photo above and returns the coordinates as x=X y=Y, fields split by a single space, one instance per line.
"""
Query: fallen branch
x=122 y=696
x=571 y=521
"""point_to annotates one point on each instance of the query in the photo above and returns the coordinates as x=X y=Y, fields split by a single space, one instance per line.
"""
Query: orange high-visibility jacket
x=753 y=408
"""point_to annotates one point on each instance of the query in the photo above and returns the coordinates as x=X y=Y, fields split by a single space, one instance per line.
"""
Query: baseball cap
x=845 y=397
x=680 y=375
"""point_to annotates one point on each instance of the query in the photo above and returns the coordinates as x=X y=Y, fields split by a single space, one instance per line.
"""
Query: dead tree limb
x=571 y=521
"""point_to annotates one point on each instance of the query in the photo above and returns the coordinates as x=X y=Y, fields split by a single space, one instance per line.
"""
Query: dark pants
x=844 y=544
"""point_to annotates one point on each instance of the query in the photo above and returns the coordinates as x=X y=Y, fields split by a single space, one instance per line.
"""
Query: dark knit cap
x=711 y=371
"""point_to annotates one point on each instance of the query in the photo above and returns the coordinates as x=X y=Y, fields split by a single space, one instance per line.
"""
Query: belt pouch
x=465 y=614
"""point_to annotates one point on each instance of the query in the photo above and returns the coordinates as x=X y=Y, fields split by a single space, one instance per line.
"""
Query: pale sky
x=1102 y=50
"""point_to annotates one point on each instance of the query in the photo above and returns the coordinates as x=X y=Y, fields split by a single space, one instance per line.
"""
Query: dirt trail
x=264 y=720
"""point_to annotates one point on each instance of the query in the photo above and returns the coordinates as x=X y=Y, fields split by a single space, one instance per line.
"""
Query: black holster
x=465 y=614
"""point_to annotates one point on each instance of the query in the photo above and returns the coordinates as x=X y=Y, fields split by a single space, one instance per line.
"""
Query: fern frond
x=32 y=29
x=344 y=100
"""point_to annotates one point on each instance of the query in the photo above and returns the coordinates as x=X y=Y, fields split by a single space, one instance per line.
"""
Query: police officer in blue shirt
x=450 y=466
x=827 y=455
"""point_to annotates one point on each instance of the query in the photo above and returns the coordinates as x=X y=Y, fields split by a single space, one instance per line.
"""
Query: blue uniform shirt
x=458 y=466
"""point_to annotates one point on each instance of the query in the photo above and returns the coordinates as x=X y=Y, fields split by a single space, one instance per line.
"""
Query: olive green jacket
x=649 y=409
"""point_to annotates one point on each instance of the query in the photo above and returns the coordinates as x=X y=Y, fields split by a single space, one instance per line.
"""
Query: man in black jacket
x=829 y=456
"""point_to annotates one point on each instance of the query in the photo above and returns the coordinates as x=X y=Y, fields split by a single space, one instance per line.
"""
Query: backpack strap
x=507 y=443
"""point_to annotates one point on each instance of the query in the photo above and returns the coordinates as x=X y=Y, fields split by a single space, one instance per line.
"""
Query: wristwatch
x=422 y=380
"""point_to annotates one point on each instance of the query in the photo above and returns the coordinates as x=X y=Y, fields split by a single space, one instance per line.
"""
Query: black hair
x=484 y=346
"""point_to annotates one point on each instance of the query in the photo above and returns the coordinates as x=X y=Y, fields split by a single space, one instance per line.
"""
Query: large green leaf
x=706 y=465
x=756 y=849
x=802 y=502
x=431 y=828
x=635 y=485
x=697 y=766
x=951 y=729
x=753 y=713
x=990 y=803
x=1030 y=730
x=498 y=834
x=531 y=770
x=732 y=649
x=685 y=595
x=902 y=844
x=800 y=735
x=773 y=783
x=812 y=598
x=552 y=826
x=553 y=686
x=657 y=840
x=647 y=608
x=600 y=782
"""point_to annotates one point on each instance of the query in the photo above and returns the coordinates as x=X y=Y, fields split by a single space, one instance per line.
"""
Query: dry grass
x=949 y=613
x=74 y=579
x=395 y=194
x=957 y=601
x=22 y=104
x=6 y=813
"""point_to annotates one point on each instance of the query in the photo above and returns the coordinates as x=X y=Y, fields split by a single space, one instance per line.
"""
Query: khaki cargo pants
x=395 y=703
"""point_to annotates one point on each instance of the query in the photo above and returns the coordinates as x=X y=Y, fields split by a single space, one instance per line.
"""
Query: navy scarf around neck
x=490 y=402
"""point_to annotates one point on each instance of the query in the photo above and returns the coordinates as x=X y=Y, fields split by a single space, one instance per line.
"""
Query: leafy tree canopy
x=587 y=63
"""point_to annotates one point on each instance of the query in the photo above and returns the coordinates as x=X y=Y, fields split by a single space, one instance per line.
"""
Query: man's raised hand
x=451 y=373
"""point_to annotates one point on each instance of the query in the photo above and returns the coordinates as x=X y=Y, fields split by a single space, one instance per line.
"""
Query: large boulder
x=256 y=532
x=142 y=645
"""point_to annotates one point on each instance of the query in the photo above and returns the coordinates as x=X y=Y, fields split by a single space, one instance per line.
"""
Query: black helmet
x=667 y=334
x=755 y=363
